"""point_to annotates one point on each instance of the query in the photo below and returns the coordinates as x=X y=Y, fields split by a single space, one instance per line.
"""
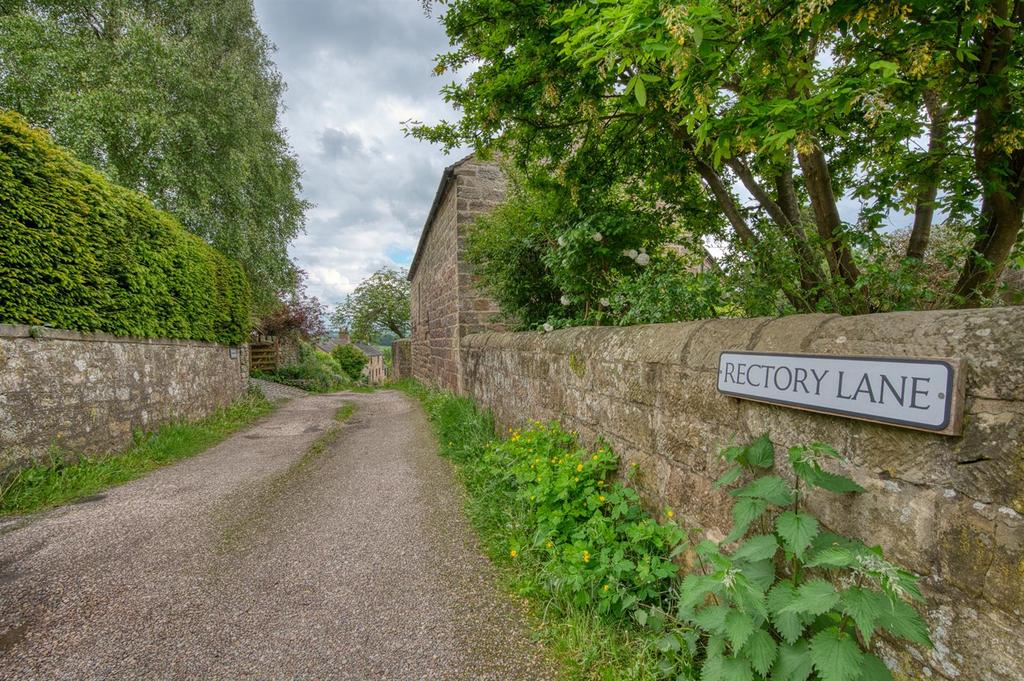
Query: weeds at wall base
x=587 y=643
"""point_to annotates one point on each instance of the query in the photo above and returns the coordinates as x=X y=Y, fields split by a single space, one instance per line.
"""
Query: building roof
x=442 y=188
x=367 y=349
x=328 y=345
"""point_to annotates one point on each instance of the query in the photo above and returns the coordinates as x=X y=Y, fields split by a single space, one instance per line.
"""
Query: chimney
x=343 y=337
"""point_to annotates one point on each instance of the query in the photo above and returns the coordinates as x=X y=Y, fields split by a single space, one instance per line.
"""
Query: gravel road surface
x=265 y=559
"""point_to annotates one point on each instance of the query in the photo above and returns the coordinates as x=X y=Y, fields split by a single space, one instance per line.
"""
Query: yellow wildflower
x=669 y=513
x=607 y=586
x=513 y=553
x=601 y=499
x=551 y=544
x=579 y=468
x=586 y=556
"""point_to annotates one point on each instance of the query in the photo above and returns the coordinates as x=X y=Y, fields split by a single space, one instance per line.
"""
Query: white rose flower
x=561 y=241
x=643 y=259
x=630 y=253
x=604 y=302
x=565 y=300
x=548 y=327
x=597 y=236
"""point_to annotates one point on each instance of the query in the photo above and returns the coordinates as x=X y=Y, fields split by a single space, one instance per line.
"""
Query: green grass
x=588 y=645
x=39 y=487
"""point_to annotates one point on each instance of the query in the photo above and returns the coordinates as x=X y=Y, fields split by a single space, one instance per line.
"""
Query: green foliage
x=351 y=359
x=593 y=539
x=550 y=256
x=66 y=479
x=379 y=305
x=79 y=252
x=569 y=537
x=316 y=371
x=175 y=98
x=778 y=115
x=792 y=601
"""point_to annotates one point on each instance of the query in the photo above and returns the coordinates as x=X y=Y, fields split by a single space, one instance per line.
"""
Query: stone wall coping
x=976 y=336
x=48 y=333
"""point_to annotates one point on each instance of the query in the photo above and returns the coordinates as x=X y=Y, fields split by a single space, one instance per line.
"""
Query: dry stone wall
x=88 y=392
x=947 y=507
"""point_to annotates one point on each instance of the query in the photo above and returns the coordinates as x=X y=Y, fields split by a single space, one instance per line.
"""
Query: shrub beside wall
x=82 y=253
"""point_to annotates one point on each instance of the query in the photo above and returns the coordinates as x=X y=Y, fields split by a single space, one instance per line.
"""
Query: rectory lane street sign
x=923 y=394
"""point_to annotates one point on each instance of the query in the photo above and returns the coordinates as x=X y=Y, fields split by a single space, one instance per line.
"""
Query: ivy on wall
x=82 y=253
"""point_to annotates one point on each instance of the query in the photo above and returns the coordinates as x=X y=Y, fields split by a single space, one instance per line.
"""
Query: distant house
x=331 y=343
x=374 y=369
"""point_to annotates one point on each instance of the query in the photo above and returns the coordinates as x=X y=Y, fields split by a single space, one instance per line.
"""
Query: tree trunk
x=732 y=212
x=726 y=202
x=830 y=226
x=786 y=190
x=1001 y=217
x=1001 y=173
x=796 y=238
x=928 y=190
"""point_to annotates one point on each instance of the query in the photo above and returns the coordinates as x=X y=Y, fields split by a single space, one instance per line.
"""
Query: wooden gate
x=264 y=355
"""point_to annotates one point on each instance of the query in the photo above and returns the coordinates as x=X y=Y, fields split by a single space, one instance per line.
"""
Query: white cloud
x=355 y=71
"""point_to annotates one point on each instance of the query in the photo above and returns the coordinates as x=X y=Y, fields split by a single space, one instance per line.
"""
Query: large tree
x=379 y=305
x=176 y=98
x=785 y=110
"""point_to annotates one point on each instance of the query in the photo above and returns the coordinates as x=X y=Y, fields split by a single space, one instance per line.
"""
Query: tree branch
x=726 y=203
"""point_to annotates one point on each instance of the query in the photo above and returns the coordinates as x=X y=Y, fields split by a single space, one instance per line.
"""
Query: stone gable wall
x=434 y=302
x=948 y=508
x=480 y=187
x=445 y=302
x=86 y=393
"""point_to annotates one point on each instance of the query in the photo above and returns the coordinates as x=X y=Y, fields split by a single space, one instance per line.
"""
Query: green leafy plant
x=178 y=99
x=791 y=601
x=351 y=359
x=592 y=537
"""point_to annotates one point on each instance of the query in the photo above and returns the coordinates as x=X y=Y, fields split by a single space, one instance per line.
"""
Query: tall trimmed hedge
x=80 y=252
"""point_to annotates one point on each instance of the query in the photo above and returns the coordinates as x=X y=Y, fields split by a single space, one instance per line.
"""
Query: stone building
x=446 y=305
x=374 y=370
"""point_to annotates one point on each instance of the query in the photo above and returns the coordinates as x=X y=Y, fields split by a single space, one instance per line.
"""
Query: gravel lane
x=263 y=559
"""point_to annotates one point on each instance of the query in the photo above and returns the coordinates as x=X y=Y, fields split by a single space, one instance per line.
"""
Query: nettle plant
x=792 y=602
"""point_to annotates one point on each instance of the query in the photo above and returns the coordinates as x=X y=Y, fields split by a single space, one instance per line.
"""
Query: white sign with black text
x=925 y=394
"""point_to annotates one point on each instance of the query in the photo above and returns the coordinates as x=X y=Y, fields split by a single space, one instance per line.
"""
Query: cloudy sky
x=355 y=70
